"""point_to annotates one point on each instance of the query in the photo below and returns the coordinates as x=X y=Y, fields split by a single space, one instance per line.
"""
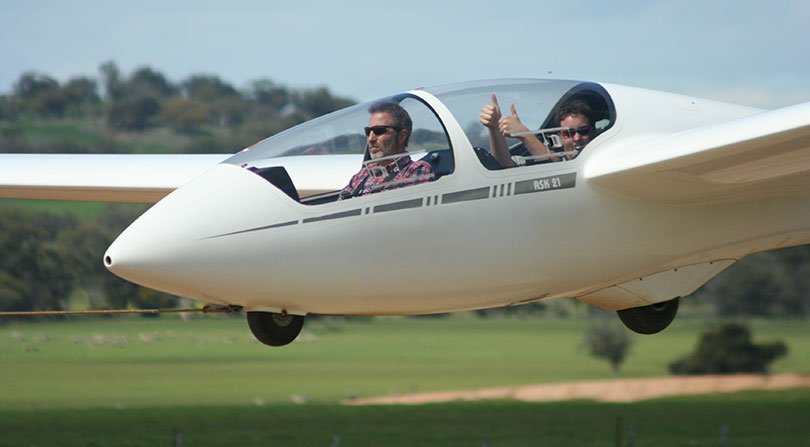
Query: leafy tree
x=48 y=256
x=152 y=299
x=81 y=248
x=146 y=82
x=207 y=88
x=796 y=265
x=115 y=218
x=224 y=105
x=138 y=99
x=228 y=111
x=8 y=108
x=146 y=98
x=609 y=342
x=112 y=81
x=185 y=115
x=32 y=85
x=265 y=121
x=81 y=96
x=34 y=276
x=770 y=284
x=729 y=349
x=134 y=113
x=266 y=93
x=12 y=292
x=316 y=102
x=40 y=94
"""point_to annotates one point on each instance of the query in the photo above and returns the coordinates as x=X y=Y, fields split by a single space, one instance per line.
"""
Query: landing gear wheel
x=650 y=319
x=274 y=329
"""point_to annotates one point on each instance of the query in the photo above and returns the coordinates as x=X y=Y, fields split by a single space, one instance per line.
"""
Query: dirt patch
x=619 y=390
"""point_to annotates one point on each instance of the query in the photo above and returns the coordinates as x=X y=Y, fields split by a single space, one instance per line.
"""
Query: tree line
x=214 y=115
x=51 y=260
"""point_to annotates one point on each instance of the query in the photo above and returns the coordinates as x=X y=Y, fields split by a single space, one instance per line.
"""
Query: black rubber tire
x=650 y=319
x=274 y=329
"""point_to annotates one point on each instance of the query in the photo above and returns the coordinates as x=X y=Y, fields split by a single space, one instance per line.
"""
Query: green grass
x=747 y=419
x=138 y=381
x=141 y=362
x=81 y=132
x=160 y=140
x=94 y=133
x=83 y=211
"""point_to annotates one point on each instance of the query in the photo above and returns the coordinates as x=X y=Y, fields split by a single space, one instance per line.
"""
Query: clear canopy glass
x=536 y=101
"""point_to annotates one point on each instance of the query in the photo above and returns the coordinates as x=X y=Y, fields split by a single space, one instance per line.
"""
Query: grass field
x=93 y=134
x=82 y=210
x=744 y=420
x=132 y=381
x=129 y=362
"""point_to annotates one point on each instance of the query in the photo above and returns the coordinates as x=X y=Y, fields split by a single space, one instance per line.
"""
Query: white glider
x=671 y=191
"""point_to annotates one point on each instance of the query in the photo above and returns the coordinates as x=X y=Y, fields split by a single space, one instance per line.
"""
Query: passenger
x=389 y=129
x=575 y=116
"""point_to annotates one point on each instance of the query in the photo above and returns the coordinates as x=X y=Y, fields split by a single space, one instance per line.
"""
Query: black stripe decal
x=463 y=196
x=266 y=227
x=405 y=204
x=340 y=215
x=543 y=184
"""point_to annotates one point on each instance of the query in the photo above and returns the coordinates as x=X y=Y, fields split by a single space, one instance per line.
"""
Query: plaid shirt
x=374 y=178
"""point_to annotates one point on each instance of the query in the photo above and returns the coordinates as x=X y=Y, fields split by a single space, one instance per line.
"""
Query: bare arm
x=489 y=118
x=511 y=124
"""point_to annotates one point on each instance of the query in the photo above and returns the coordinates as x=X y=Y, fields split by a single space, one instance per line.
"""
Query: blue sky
x=755 y=52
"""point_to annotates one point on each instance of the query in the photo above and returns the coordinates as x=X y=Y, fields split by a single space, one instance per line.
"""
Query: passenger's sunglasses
x=582 y=131
x=380 y=130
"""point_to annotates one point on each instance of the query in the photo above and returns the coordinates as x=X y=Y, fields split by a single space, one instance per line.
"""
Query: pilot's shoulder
x=419 y=165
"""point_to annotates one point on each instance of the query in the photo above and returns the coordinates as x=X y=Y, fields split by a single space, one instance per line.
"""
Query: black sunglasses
x=379 y=130
x=582 y=131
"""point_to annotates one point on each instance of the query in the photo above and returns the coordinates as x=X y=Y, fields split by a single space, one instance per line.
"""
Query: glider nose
x=177 y=245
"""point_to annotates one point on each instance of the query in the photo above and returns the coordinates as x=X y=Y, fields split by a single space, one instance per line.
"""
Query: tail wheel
x=650 y=319
x=275 y=329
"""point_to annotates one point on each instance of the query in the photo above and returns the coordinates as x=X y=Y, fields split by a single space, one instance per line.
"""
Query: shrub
x=608 y=342
x=728 y=350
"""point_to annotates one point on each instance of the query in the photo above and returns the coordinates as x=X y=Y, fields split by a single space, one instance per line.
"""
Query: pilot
x=575 y=116
x=387 y=134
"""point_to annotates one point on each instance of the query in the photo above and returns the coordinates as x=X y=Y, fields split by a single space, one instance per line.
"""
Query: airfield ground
x=147 y=381
x=618 y=390
x=157 y=362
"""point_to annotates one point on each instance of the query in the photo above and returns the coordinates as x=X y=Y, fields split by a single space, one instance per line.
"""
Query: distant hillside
x=144 y=112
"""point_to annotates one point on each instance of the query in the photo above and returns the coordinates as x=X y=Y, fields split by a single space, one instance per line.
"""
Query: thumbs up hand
x=491 y=114
x=511 y=124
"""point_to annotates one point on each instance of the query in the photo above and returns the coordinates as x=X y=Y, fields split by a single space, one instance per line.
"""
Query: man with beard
x=387 y=134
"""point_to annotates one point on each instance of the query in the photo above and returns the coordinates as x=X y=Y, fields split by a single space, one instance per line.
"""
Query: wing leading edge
x=139 y=178
x=759 y=155
x=103 y=178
